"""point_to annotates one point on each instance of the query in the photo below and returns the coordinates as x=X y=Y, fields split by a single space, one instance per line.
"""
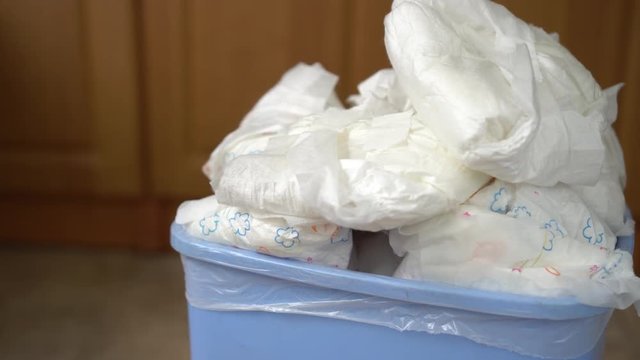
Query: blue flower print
x=209 y=224
x=553 y=226
x=608 y=269
x=589 y=233
x=600 y=239
x=554 y=231
x=497 y=204
x=287 y=237
x=240 y=223
x=548 y=241
x=520 y=211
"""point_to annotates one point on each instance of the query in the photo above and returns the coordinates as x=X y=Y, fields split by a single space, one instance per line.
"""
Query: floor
x=79 y=304
x=91 y=305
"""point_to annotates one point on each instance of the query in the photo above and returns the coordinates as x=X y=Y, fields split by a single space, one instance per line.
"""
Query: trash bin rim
x=420 y=292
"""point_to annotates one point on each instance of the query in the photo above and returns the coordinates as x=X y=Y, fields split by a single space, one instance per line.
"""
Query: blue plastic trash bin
x=246 y=305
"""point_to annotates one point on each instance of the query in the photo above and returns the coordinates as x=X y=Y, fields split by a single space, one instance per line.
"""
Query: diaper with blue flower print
x=524 y=239
x=304 y=239
x=558 y=209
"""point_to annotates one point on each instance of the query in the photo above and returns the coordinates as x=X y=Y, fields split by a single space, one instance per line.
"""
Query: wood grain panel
x=593 y=30
x=366 y=51
x=231 y=70
x=137 y=223
x=597 y=36
x=628 y=126
x=68 y=99
x=46 y=172
x=173 y=168
x=112 y=77
x=237 y=70
x=42 y=97
x=207 y=63
x=551 y=15
x=318 y=33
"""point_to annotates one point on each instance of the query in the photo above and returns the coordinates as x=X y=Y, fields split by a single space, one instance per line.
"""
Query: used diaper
x=558 y=209
x=606 y=197
x=503 y=96
x=524 y=239
x=368 y=168
x=303 y=90
x=298 y=238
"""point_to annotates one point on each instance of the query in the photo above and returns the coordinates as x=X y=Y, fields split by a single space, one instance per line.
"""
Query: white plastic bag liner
x=367 y=168
x=221 y=278
x=505 y=97
x=308 y=240
x=513 y=252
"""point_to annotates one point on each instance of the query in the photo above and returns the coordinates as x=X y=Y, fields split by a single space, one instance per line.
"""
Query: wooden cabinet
x=71 y=141
x=109 y=108
x=69 y=98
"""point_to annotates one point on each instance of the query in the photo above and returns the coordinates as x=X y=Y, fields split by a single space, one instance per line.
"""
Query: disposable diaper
x=521 y=239
x=606 y=197
x=366 y=168
x=558 y=209
x=303 y=239
x=503 y=96
x=303 y=90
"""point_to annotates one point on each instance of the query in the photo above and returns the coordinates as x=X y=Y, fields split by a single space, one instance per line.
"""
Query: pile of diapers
x=247 y=220
x=484 y=158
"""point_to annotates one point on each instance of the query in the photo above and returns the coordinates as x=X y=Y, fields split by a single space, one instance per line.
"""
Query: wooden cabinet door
x=68 y=98
x=70 y=130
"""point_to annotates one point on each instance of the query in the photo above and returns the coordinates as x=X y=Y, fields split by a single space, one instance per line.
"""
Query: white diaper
x=355 y=168
x=558 y=209
x=521 y=239
x=503 y=96
x=302 y=239
x=303 y=90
